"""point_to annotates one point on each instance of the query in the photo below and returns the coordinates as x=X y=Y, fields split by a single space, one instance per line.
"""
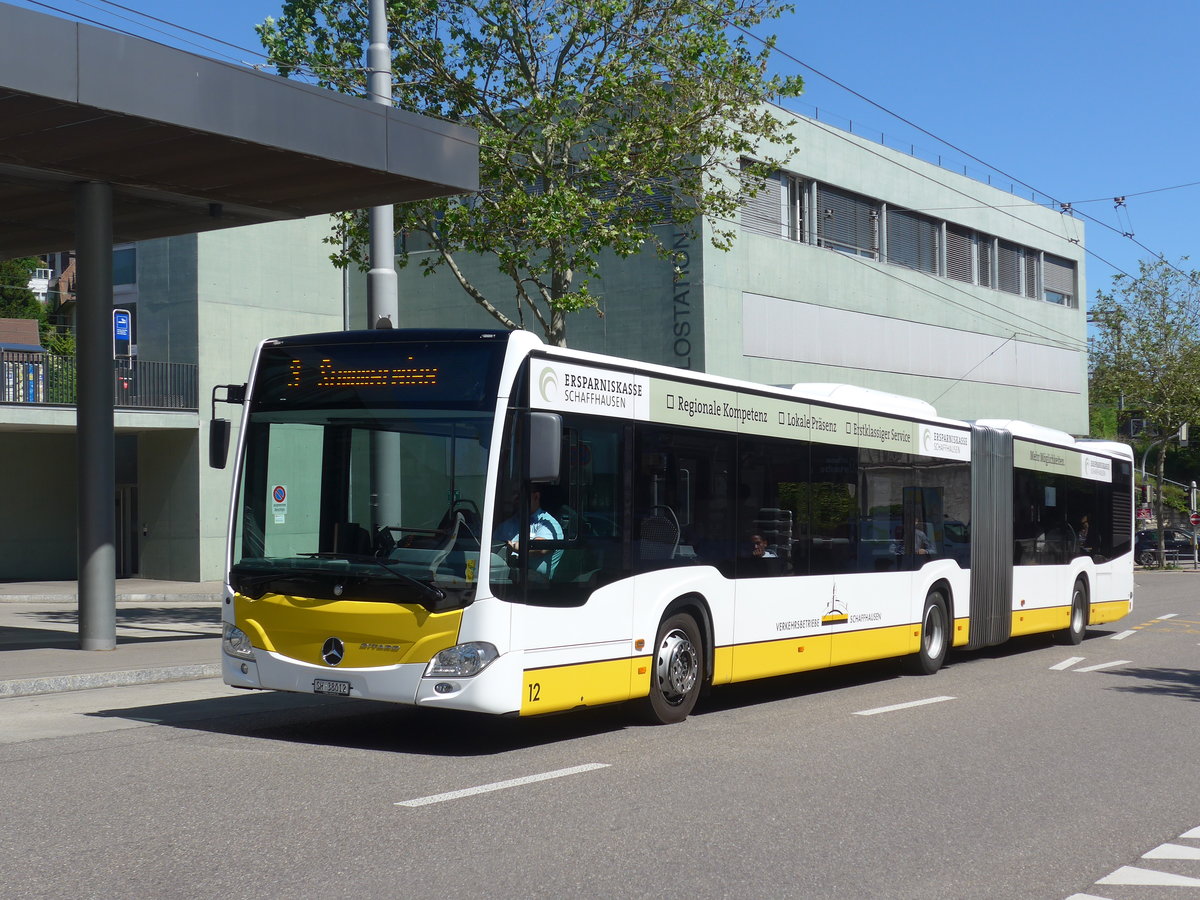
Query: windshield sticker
x=279 y=495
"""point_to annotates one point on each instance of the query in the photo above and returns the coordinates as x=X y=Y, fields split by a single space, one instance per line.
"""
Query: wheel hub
x=676 y=666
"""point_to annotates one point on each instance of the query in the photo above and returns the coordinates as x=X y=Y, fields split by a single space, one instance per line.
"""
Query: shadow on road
x=1183 y=684
x=371 y=725
x=138 y=616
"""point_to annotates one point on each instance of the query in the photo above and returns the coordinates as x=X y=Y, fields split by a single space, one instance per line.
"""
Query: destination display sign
x=377 y=374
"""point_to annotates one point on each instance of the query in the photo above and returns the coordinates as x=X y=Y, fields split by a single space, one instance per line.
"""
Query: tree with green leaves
x=1146 y=351
x=17 y=301
x=598 y=120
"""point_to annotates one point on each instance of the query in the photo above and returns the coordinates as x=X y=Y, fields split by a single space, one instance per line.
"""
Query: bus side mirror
x=218 y=429
x=545 y=446
x=218 y=442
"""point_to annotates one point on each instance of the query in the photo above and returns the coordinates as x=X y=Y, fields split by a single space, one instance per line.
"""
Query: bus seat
x=658 y=534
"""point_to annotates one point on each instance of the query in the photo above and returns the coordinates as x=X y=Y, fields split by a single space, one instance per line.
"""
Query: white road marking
x=1134 y=875
x=1107 y=665
x=501 y=785
x=910 y=705
x=1173 y=851
x=1194 y=833
x=1067 y=663
x=1167 y=616
x=1122 y=635
x=1086 y=897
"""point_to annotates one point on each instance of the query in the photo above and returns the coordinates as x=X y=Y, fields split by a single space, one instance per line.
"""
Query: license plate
x=324 y=686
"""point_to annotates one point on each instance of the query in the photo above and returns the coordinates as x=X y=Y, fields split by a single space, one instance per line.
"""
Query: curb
x=54 y=684
x=121 y=598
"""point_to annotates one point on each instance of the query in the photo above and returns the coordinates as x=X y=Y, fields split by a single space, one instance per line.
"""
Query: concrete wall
x=38 y=484
x=168 y=483
x=644 y=311
x=251 y=283
x=166 y=291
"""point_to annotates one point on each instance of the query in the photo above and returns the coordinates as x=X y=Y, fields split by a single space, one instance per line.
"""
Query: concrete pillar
x=94 y=418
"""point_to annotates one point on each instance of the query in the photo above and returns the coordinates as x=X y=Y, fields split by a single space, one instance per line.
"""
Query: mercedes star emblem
x=333 y=651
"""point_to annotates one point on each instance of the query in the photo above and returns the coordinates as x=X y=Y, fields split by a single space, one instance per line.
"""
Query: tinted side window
x=683 y=511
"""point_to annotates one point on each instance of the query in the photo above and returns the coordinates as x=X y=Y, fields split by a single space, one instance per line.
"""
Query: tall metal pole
x=96 y=458
x=382 y=302
x=381 y=279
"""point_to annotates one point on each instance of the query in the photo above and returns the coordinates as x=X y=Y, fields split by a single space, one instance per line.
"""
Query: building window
x=790 y=207
x=912 y=240
x=1058 y=280
x=1032 y=265
x=960 y=247
x=777 y=207
x=847 y=222
x=1008 y=267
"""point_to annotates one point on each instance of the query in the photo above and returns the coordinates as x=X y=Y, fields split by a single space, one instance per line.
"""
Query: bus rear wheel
x=935 y=635
x=1074 y=632
x=677 y=671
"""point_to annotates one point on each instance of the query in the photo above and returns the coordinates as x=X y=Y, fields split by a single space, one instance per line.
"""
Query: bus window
x=683 y=514
x=832 y=510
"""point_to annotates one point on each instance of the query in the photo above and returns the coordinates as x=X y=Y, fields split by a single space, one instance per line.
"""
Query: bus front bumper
x=495 y=690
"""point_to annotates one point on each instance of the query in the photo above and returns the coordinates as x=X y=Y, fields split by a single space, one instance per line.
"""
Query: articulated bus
x=474 y=520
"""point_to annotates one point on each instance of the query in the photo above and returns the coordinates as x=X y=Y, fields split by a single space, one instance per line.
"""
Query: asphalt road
x=1027 y=771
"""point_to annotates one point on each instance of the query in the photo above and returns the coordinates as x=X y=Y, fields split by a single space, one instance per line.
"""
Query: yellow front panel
x=769 y=658
x=1110 y=611
x=875 y=643
x=558 y=688
x=374 y=634
x=1035 y=621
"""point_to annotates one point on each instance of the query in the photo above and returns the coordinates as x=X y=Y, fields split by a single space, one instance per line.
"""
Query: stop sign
x=1194 y=518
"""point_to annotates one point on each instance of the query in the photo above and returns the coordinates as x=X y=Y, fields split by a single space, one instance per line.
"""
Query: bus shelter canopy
x=192 y=144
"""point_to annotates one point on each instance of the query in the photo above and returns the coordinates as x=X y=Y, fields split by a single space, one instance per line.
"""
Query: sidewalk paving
x=166 y=631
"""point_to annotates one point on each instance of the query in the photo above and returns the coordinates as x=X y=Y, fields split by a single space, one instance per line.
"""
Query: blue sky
x=1075 y=101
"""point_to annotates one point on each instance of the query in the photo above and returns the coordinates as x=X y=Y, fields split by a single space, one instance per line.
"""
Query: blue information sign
x=122 y=333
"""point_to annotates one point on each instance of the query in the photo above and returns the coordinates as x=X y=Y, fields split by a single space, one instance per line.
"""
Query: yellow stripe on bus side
x=1110 y=611
x=768 y=658
x=1037 y=621
x=559 y=688
x=373 y=634
x=874 y=643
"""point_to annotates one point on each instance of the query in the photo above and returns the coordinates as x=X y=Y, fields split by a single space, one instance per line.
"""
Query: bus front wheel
x=935 y=635
x=677 y=670
x=1074 y=632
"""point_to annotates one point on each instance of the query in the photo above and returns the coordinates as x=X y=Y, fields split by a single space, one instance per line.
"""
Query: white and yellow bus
x=474 y=520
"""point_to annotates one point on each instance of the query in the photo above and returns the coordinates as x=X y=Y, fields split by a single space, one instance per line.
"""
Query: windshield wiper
x=254 y=586
x=432 y=593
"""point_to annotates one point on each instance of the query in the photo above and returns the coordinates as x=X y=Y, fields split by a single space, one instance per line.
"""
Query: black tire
x=935 y=635
x=1148 y=558
x=676 y=671
x=1073 y=633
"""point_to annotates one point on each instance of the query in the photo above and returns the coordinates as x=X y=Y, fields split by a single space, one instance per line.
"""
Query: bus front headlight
x=236 y=642
x=462 y=660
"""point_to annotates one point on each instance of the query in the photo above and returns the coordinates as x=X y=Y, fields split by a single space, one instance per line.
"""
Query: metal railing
x=45 y=379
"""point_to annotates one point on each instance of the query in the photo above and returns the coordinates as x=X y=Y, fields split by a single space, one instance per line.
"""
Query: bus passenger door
x=574 y=616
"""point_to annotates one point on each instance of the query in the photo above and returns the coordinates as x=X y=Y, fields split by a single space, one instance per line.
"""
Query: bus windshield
x=356 y=488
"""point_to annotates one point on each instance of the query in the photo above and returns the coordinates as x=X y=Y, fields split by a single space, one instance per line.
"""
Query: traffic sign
x=1194 y=518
